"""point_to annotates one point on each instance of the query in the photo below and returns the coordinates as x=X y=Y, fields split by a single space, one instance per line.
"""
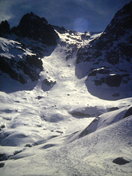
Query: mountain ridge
x=56 y=123
x=110 y=56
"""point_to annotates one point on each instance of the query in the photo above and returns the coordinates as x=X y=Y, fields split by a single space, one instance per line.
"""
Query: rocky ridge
x=21 y=47
x=109 y=57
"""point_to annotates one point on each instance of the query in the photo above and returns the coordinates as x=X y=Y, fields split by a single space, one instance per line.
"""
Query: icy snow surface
x=45 y=131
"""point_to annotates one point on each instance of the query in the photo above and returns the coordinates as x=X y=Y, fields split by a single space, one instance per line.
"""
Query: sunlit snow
x=41 y=129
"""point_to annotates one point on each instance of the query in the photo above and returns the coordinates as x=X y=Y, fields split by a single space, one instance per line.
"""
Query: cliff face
x=37 y=28
x=19 y=62
x=22 y=47
x=109 y=57
x=114 y=43
x=105 y=60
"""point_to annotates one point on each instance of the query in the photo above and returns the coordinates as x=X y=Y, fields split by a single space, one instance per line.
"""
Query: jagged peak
x=32 y=17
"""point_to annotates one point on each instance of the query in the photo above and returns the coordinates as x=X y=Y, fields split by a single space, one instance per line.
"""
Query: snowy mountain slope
x=18 y=62
x=21 y=48
x=93 y=154
x=108 y=59
x=54 y=126
x=37 y=126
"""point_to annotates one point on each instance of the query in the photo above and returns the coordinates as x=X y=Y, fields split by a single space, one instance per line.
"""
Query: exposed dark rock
x=125 y=49
x=2 y=165
x=72 y=48
x=2 y=126
x=37 y=28
x=121 y=22
x=91 y=128
x=34 y=61
x=113 y=109
x=112 y=57
x=113 y=80
x=4 y=28
x=105 y=46
x=120 y=161
x=28 y=145
x=99 y=82
x=29 y=66
x=16 y=152
x=3 y=157
x=48 y=146
x=100 y=71
x=39 y=97
x=47 y=84
x=61 y=30
x=6 y=66
x=85 y=112
x=79 y=115
x=128 y=113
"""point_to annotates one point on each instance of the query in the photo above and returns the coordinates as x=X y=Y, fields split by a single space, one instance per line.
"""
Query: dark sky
x=79 y=15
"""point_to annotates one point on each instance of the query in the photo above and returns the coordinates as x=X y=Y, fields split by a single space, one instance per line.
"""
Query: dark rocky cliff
x=22 y=47
x=37 y=28
x=109 y=57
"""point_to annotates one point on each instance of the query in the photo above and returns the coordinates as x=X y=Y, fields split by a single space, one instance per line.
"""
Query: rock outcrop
x=36 y=28
x=19 y=62
x=4 y=28
x=20 y=53
x=114 y=43
x=109 y=58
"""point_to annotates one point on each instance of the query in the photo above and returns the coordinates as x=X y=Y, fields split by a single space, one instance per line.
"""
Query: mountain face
x=4 y=28
x=109 y=57
x=18 y=61
x=36 y=28
x=65 y=109
x=23 y=46
x=119 y=30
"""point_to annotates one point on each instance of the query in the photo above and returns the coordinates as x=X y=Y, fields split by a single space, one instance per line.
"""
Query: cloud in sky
x=82 y=15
